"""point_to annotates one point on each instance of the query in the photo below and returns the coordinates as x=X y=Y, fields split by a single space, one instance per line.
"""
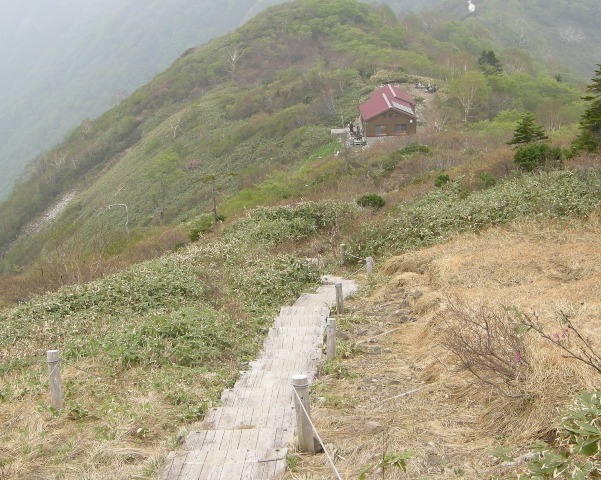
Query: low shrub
x=487 y=179
x=575 y=452
x=414 y=148
x=371 y=200
x=199 y=225
x=538 y=155
x=441 y=180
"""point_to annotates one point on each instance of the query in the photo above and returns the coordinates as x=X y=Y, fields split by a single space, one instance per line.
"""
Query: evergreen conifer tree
x=527 y=131
x=489 y=63
x=589 y=138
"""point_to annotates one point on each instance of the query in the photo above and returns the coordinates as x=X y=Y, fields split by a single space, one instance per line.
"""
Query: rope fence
x=369 y=262
x=307 y=417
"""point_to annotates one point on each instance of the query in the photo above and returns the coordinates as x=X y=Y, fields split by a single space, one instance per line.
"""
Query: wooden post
x=300 y=384
x=369 y=264
x=331 y=339
x=54 y=376
x=342 y=253
x=339 y=299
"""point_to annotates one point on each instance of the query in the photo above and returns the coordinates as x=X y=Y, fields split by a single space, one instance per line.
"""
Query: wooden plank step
x=236 y=439
x=296 y=330
x=232 y=464
x=300 y=311
x=256 y=397
x=230 y=418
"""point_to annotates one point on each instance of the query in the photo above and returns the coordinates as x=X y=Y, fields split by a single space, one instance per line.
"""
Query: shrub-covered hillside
x=245 y=108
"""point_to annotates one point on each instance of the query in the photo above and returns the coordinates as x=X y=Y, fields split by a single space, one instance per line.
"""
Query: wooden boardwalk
x=247 y=437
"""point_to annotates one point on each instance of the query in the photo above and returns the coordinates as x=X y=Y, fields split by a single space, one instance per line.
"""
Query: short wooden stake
x=342 y=253
x=369 y=265
x=54 y=376
x=300 y=384
x=331 y=339
x=339 y=299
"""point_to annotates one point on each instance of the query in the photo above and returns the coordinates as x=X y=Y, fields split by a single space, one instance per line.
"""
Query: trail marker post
x=304 y=429
x=331 y=339
x=339 y=299
x=342 y=253
x=54 y=377
x=369 y=266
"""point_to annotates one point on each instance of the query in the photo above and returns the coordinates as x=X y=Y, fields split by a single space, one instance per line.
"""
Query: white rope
x=354 y=273
x=355 y=256
x=300 y=402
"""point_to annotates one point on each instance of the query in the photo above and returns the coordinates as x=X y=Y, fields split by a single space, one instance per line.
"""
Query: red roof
x=388 y=97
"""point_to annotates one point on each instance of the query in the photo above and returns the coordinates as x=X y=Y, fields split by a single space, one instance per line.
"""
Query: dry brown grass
x=106 y=443
x=455 y=420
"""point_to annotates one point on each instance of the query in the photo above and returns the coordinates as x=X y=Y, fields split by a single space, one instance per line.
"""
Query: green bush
x=199 y=225
x=371 y=200
x=487 y=180
x=538 y=155
x=441 y=180
x=414 y=148
x=575 y=453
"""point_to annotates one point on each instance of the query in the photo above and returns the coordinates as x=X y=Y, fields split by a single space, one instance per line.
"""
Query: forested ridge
x=58 y=71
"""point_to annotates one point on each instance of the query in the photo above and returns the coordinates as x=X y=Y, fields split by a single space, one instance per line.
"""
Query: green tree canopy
x=489 y=63
x=589 y=138
x=471 y=90
x=527 y=131
x=538 y=155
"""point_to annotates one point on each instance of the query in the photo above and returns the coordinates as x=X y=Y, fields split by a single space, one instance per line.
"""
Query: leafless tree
x=176 y=125
x=126 y=213
x=521 y=33
x=233 y=56
x=570 y=34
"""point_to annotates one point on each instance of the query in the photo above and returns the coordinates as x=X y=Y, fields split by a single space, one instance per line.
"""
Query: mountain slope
x=253 y=103
x=72 y=60
x=561 y=33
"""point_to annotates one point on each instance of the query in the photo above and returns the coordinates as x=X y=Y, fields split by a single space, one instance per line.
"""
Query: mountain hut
x=389 y=111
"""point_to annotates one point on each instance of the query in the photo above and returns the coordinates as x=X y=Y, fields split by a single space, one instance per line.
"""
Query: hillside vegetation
x=71 y=60
x=156 y=307
x=259 y=100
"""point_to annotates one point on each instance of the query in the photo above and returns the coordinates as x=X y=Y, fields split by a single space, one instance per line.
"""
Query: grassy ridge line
x=171 y=333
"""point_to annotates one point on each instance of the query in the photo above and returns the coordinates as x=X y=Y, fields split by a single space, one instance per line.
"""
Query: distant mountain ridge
x=70 y=60
x=258 y=102
x=90 y=55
